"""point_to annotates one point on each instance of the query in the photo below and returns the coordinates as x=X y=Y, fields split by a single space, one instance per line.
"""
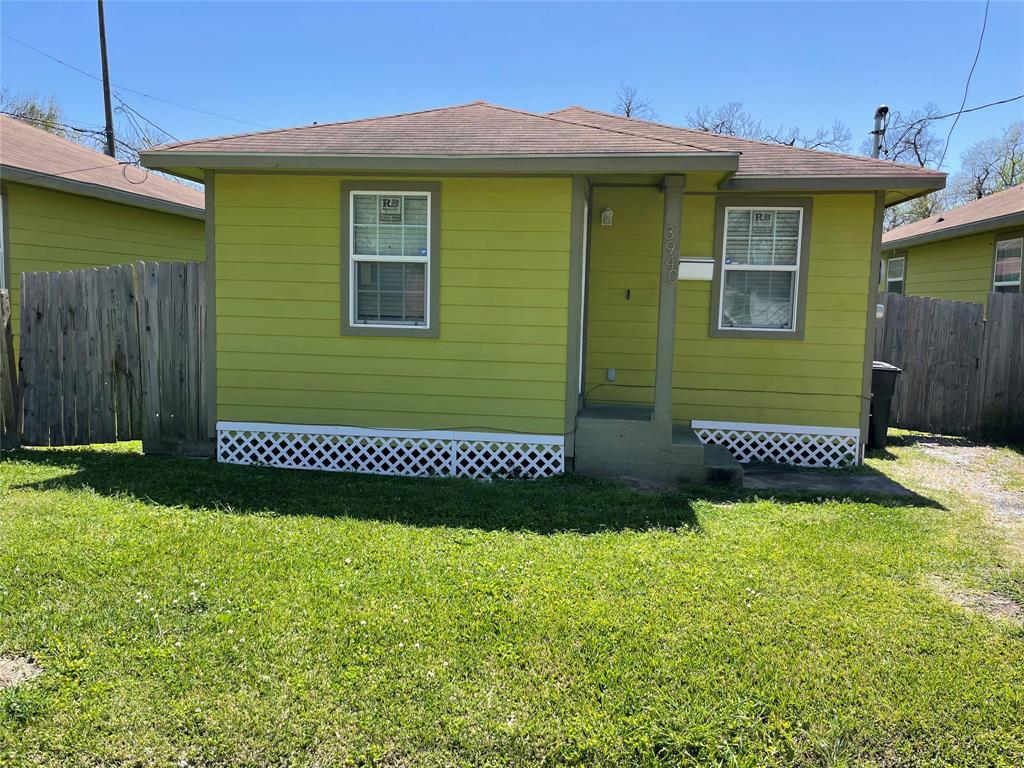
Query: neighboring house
x=961 y=254
x=65 y=206
x=479 y=289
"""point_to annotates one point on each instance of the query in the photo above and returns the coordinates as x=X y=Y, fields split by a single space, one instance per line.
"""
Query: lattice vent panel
x=389 y=454
x=799 y=448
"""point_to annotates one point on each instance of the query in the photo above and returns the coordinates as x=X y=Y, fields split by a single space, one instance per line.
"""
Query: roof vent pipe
x=879 y=131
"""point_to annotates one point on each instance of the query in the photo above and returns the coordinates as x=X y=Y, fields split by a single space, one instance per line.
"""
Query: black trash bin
x=883 y=384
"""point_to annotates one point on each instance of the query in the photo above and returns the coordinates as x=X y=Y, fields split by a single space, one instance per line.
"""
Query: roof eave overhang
x=98 y=191
x=185 y=163
x=914 y=185
x=1008 y=221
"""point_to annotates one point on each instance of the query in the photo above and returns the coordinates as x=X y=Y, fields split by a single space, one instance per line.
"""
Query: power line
x=967 y=85
x=131 y=90
x=126 y=107
x=1018 y=97
x=907 y=128
x=96 y=132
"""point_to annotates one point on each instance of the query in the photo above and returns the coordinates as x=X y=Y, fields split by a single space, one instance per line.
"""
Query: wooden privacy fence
x=114 y=353
x=963 y=372
x=9 y=406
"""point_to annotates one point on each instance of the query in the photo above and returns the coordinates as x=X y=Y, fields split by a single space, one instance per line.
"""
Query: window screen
x=760 y=268
x=390 y=258
x=1006 y=276
x=895 y=274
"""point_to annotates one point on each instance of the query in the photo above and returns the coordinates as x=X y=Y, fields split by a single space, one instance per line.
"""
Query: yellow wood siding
x=816 y=381
x=622 y=332
x=959 y=269
x=499 y=363
x=51 y=231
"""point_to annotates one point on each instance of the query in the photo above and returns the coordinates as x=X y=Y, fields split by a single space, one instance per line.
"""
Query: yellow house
x=64 y=206
x=962 y=254
x=477 y=290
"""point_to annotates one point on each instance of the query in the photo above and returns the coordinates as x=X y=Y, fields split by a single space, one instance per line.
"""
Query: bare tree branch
x=629 y=103
x=730 y=119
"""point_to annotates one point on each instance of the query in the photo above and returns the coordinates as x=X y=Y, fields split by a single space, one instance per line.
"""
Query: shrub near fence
x=963 y=372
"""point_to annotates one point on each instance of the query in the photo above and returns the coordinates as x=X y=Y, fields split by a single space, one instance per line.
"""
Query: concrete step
x=721 y=468
x=622 y=442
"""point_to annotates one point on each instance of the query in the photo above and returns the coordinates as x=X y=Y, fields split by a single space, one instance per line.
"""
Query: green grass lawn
x=193 y=614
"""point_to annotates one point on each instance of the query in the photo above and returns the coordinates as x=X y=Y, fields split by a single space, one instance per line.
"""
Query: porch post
x=574 y=323
x=672 y=225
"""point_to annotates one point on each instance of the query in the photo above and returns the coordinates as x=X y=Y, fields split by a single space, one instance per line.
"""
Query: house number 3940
x=670 y=254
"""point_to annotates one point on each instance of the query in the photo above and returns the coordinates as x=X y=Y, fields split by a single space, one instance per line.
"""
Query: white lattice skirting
x=391 y=452
x=783 y=443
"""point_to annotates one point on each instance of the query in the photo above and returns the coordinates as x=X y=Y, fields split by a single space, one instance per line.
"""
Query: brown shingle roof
x=757 y=158
x=996 y=210
x=476 y=129
x=32 y=155
x=484 y=136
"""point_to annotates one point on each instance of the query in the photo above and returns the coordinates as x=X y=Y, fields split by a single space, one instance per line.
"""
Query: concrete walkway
x=781 y=477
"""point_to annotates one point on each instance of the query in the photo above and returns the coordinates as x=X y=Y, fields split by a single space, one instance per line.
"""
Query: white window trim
x=794 y=268
x=889 y=279
x=355 y=258
x=995 y=261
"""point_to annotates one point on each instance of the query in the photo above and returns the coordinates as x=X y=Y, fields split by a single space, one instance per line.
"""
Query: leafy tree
x=33 y=109
x=988 y=166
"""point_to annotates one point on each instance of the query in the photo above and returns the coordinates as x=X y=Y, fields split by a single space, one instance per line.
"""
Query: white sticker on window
x=390 y=210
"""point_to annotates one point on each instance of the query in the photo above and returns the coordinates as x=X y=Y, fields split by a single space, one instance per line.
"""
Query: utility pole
x=106 y=82
x=879 y=132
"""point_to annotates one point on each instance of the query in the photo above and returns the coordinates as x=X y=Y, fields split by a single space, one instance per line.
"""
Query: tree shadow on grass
x=555 y=505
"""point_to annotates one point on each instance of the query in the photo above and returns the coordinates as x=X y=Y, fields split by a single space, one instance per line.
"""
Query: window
x=760 y=278
x=895 y=274
x=390 y=248
x=1006 y=275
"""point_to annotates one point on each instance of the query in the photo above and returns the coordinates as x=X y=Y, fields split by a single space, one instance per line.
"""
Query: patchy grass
x=193 y=614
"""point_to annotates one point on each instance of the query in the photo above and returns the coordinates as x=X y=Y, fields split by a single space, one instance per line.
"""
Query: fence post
x=10 y=400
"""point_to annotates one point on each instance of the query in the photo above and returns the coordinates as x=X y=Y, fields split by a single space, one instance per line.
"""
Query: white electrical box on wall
x=696 y=268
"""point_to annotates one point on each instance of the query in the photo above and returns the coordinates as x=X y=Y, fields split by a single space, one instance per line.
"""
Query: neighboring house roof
x=33 y=156
x=996 y=211
x=481 y=136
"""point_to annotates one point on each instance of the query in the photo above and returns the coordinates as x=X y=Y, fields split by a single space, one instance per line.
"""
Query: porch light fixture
x=606 y=216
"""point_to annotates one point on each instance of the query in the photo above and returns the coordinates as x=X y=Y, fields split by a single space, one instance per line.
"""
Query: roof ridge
x=821 y=152
x=477 y=103
x=204 y=139
x=550 y=116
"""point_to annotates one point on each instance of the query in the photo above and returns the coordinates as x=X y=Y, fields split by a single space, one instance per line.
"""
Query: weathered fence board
x=963 y=372
x=10 y=429
x=115 y=353
x=172 y=318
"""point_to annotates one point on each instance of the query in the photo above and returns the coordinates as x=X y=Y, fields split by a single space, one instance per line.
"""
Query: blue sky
x=281 y=64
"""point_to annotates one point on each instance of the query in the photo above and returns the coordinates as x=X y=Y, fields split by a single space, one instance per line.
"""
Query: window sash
x=357 y=258
x=1010 y=241
x=901 y=279
x=793 y=268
